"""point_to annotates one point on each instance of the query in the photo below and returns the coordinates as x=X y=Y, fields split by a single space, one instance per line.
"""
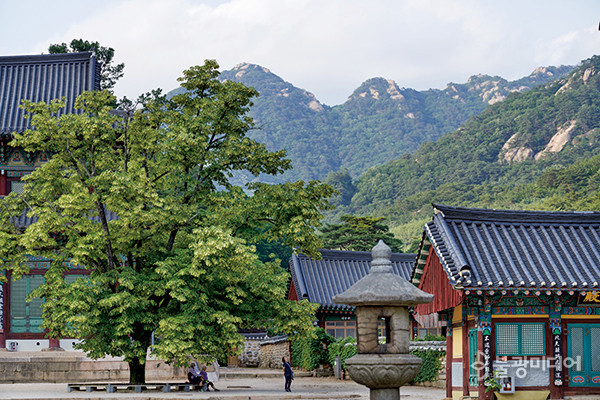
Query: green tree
x=145 y=204
x=109 y=72
x=342 y=182
x=359 y=234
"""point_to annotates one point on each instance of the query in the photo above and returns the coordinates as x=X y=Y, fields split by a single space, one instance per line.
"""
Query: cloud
x=330 y=47
x=568 y=46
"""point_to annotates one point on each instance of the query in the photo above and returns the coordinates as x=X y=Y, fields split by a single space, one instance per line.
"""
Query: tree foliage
x=359 y=234
x=344 y=348
x=109 y=72
x=145 y=203
x=432 y=364
x=311 y=350
x=342 y=182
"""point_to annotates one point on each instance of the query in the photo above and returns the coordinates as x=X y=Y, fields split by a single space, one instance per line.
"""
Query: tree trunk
x=137 y=371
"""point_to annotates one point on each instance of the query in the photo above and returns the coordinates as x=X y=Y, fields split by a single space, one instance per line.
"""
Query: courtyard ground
x=233 y=387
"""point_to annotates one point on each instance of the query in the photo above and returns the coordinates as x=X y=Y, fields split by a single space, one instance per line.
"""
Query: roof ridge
x=45 y=58
x=344 y=254
x=508 y=216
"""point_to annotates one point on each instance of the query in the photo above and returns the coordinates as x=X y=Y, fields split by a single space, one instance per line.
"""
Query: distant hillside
x=380 y=121
x=377 y=124
x=538 y=149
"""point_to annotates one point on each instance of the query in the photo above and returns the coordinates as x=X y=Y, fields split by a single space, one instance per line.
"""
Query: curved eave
x=439 y=246
x=336 y=309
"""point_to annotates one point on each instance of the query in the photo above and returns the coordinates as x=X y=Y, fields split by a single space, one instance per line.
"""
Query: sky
x=328 y=47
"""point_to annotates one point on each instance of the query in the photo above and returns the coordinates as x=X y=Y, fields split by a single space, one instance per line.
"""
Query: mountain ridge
x=379 y=122
x=535 y=150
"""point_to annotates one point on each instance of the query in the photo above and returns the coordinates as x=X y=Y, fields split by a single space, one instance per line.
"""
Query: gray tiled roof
x=319 y=280
x=522 y=249
x=43 y=78
x=23 y=220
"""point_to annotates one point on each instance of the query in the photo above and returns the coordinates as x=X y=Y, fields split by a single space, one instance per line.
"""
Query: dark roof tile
x=43 y=78
x=319 y=280
x=24 y=220
x=504 y=248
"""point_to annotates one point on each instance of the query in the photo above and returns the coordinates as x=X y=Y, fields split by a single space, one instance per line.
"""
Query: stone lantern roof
x=381 y=287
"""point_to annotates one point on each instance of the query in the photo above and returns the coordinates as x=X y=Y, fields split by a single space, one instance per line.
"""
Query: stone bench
x=113 y=387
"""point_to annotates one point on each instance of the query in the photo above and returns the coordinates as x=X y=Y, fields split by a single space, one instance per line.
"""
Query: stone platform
x=74 y=366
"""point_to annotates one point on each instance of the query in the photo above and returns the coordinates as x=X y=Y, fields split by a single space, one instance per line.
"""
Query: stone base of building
x=70 y=366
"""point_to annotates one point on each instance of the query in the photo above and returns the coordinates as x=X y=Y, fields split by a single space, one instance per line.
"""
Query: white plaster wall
x=457 y=374
x=67 y=344
x=28 y=344
x=526 y=372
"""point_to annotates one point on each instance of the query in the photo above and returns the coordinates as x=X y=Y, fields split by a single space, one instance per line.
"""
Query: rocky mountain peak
x=378 y=88
x=244 y=67
x=542 y=71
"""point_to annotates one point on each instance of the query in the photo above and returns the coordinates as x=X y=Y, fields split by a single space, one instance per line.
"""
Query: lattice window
x=520 y=339
x=340 y=329
x=576 y=334
x=17 y=186
x=473 y=366
x=25 y=316
x=595 y=347
x=73 y=277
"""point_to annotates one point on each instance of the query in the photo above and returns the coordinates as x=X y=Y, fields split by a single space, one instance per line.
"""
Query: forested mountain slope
x=532 y=150
x=378 y=123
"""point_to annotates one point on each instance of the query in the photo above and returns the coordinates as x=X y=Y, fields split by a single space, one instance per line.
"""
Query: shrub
x=310 y=351
x=432 y=363
x=344 y=348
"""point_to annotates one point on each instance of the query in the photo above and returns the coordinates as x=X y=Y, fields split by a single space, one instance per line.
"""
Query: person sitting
x=194 y=377
x=208 y=383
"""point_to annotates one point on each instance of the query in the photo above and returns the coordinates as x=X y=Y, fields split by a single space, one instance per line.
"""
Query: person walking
x=287 y=373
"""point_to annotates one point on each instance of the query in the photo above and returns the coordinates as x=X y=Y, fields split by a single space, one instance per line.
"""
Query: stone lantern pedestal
x=383 y=364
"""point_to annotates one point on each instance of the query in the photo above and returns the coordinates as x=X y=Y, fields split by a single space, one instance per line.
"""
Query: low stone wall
x=435 y=345
x=272 y=351
x=250 y=357
x=75 y=367
x=423 y=345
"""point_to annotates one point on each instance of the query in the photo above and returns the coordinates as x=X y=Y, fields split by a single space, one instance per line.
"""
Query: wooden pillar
x=484 y=349
x=480 y=361
x=3 y=187
x=415 y=329
x=320 y=319
x=465 y=349
x=3 y=315
x=557 y=365
x=449 y=356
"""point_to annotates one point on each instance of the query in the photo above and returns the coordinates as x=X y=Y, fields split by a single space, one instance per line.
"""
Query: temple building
x=519 y=291
x=319 y=280
x=35 y=78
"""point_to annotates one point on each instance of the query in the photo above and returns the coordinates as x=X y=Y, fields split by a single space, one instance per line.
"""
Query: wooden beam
x=449 y=356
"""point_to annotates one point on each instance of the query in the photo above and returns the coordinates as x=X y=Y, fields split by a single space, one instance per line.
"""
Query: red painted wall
x=435 y=281
x=292 y=295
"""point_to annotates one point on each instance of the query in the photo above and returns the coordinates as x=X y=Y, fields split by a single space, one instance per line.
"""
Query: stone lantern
x=383 y=364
